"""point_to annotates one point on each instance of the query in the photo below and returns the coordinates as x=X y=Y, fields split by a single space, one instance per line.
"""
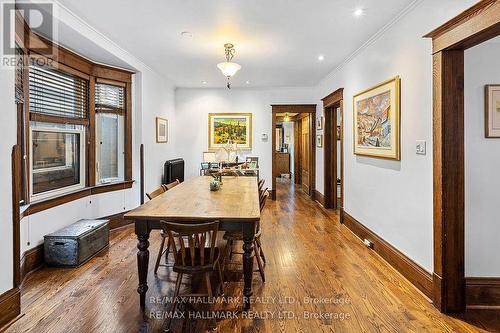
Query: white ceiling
x=277 y=42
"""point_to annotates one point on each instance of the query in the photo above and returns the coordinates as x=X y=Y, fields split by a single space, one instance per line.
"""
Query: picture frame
x=319 y=123
x=319 y=140
x=376 y=115
x=161 y=130
x=492 y=110
x=234 y=127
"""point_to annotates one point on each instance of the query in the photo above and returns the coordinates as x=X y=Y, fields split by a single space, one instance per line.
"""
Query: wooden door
x=305 y=146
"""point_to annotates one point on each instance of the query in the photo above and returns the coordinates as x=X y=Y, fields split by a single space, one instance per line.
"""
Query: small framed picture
x=319 y=140
x=161 y=130
x=319 y=123
x=492 y=110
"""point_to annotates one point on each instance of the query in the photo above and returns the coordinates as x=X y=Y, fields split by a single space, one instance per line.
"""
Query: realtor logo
x=37 y=15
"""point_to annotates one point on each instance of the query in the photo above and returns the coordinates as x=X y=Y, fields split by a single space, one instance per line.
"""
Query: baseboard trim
x=482 y=291
x=117 y=220
x=33 y=259
x=418 y=276
x=320 y=198
x=10 y=306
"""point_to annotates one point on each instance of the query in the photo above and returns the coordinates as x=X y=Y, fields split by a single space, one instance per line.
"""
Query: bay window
x=74 y=125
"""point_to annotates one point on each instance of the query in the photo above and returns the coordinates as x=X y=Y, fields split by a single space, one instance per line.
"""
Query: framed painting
x=235 y=128
x=492 y=110
x=376 y=114
x=319 y=123
x=161 y=130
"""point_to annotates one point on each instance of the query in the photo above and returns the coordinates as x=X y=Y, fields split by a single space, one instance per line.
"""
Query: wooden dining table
x=235 y=205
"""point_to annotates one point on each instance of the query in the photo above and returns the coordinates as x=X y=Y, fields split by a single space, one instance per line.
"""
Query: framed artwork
x=492 y=110
x=161 y=130
x=209 y=156
x=224 y=128
x=319 y=140
x=319 y=123
x=376 y=121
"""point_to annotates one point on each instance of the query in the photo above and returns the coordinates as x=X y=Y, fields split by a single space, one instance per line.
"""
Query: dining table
x=235 y=205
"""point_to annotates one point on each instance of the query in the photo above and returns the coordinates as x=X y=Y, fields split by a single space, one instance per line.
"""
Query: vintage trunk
x=76 y=243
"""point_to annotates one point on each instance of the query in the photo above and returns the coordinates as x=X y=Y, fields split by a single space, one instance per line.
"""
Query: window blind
x=57 y=93
x=109 y=98
x=19 y=87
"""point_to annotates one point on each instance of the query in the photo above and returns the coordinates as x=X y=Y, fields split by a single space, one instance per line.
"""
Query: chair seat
x=197 y=267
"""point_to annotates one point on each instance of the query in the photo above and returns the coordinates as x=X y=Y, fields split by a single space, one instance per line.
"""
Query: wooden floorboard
x=309 y=256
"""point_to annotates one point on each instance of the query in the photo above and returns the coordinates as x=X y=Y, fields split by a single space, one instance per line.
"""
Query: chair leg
x=221 y=279
x=212 y=324
x=158 y=259
x=259 y=261
x=167 y=251
x=231 y=249
x=261 y=252
x=174 y=301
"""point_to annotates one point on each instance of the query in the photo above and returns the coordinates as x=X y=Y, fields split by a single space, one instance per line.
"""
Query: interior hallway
x=309 y=256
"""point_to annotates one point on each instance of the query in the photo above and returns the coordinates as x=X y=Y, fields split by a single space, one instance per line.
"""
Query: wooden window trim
x=39 y=206
x=73 y=63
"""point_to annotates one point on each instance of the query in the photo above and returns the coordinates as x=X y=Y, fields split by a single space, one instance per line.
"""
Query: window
x=57 y=143
x=110 y=134
x=57 y=159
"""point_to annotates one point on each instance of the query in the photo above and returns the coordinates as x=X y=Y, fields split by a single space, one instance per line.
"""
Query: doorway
x=472 y=27
x=293 y=147
x=334 y=150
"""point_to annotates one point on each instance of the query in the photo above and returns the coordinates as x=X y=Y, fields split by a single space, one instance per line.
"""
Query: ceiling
x=277 y=42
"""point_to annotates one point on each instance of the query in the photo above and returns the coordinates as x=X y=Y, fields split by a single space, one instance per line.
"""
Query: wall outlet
x=368 y=243
x=421 y=147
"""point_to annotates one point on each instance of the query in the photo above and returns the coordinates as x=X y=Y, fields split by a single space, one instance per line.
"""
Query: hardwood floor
x=310 y=256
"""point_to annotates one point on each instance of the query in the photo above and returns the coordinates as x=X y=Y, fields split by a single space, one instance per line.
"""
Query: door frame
x=330 y=104
x=470 y=28
x=295 y=108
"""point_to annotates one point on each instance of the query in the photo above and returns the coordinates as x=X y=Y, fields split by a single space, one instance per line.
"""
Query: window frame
x=62 y=190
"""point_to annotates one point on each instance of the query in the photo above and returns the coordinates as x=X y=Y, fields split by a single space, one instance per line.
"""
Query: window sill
x=39 y=206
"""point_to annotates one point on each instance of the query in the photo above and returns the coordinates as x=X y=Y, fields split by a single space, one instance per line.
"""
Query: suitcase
x=76 y=243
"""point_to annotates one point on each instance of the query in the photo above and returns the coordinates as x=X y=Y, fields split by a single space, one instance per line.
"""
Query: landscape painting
x=376 y=121
x=235 y=128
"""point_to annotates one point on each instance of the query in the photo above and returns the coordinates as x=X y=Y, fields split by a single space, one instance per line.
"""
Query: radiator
x=173 y=169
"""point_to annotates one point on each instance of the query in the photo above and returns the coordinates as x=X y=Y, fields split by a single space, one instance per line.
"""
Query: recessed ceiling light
x=247 y=82
x=358 y=12
x=204 y=82
x=321 y=57
x=187 y=34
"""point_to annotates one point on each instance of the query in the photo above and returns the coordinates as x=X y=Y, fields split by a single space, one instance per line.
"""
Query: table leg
x=248 y=239
x=142 y=232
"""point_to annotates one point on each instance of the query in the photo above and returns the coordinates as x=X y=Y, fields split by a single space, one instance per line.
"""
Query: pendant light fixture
x=229 y=68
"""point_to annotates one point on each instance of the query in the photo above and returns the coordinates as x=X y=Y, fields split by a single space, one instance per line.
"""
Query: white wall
x=194 y=105
x=392 y=198
x=482 y=164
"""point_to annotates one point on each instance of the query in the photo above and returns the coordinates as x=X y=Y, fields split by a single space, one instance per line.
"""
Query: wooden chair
x=164 y=236
x=194 y=257
x=161 y=252
x=156 y=192
x=232 y=236
x=172 y=184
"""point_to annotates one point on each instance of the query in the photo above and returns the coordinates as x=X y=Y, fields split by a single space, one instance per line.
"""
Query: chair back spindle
x=189 y=242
